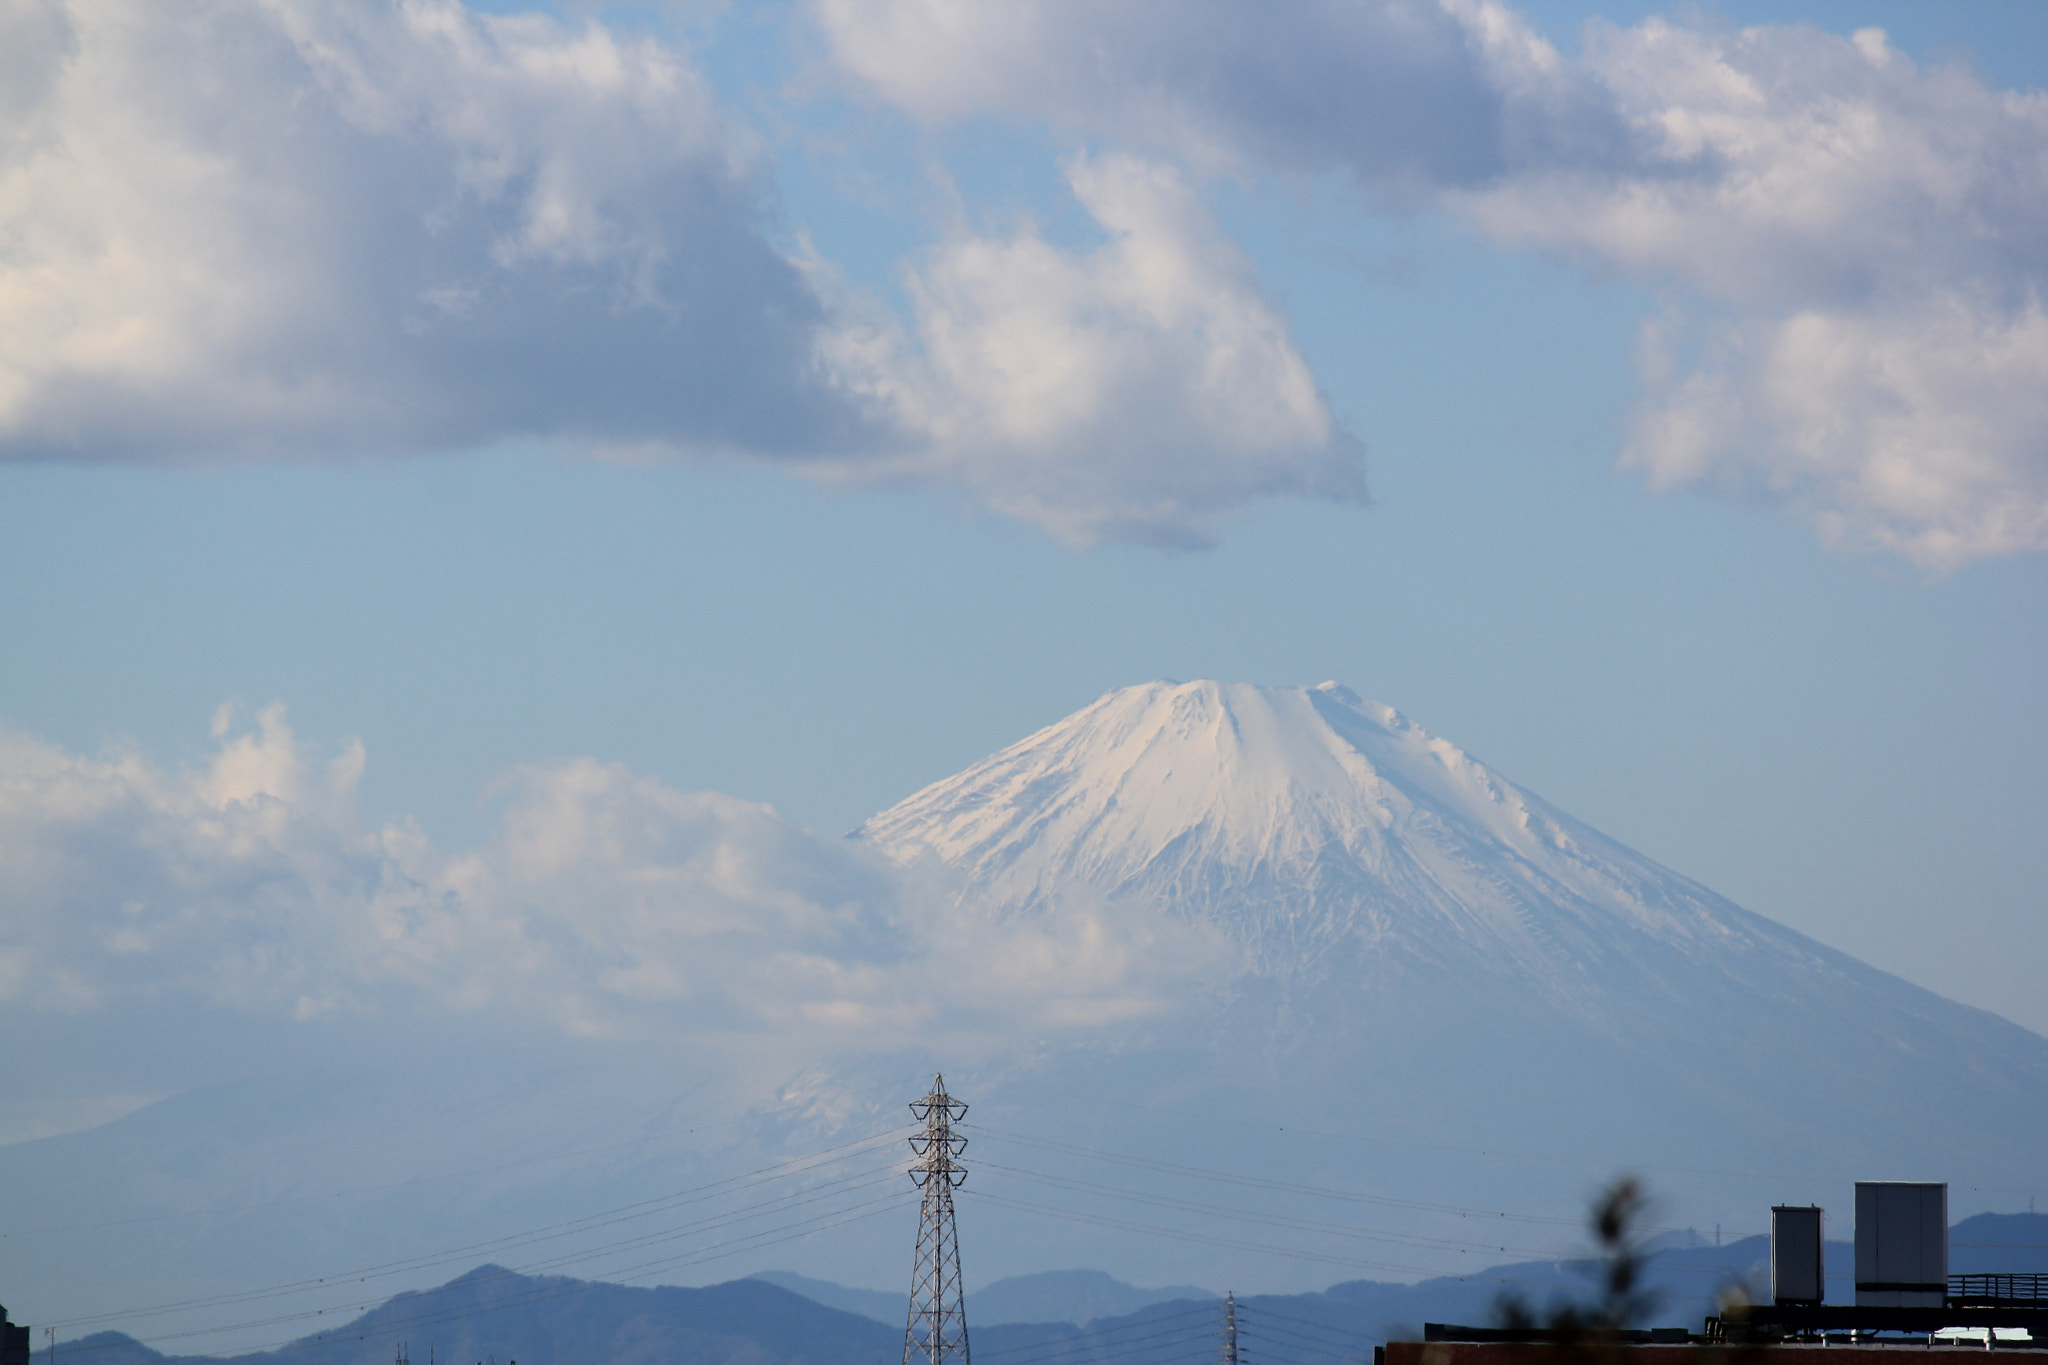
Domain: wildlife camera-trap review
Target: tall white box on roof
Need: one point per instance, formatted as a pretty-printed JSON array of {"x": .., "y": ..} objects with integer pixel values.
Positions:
[{"x": 1901, "y": 1244}]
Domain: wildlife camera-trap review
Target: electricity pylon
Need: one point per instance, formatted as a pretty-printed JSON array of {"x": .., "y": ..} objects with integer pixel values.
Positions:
[
  {"x": 937, "y": 1331},
  {"x": 1228, "y": 1355}
]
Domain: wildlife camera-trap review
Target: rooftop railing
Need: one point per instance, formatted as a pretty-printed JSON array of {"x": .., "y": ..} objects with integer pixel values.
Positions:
[{"x": 1997, "y": 1291}]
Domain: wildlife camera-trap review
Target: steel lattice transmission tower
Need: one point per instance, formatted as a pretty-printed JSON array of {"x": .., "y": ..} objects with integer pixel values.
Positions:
[{"x": 937, "y": 1332}]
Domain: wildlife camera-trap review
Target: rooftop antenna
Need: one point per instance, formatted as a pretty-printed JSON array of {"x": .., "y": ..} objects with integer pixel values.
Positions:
[{"x": 937, "y": 1331}]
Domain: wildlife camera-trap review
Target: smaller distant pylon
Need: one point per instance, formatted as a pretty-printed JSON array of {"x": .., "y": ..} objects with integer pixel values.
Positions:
[{"x": 1228, "y": 1355}]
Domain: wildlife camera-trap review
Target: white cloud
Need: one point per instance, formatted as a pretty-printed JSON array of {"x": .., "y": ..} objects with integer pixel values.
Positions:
[
  {"x": 238, "y": 881},
  {"x": 1134, "y": 391},
  {"x": 28, "y": 1118},
  {"x": 1390, "y": 88},
  {"x": 1861, "y": 241},
  {"x": 607, "y": 902},
  {"x": 291, "y": 228},
  {"x": 263, "y": 227},
  {"x": 1920, "y": 429},
  {"x": 300, "y": 228},
  {"x": 1854, "y": 238}
]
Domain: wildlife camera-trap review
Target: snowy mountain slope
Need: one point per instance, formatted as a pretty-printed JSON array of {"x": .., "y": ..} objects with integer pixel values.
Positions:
[
  {"x": 1412, "y": 920},
  {"x": 1304, "y": 820},
  {"x": 1438, "y": 1011},
  {"x": 1324, "y": 832}
]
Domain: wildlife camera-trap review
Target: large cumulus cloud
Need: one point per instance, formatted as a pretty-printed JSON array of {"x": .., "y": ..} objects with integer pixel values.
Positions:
[
  {"x": 1136, "y": 390},
  {"x": 1850, "y": 243},
  {"x": 1861, "y": 256},
  {"x": 607, "y": 902},
  {"x": 251, "y": 229},
  {"x": 244, "y": 228}
]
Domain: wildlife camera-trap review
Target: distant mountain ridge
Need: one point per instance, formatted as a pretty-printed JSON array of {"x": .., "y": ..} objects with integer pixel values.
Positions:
[{"x": 495, "y": 1313}]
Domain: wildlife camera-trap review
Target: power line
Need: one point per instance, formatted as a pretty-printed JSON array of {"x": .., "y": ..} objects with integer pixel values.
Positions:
[
  {"x": 1464, "y": 1213},
  {"x": 940, "y": 1153},
  {"x": 68, "y": 1228},
  {"x": 1260, "y": 1312},
  {"x": 589, "y": 1222},
  {"x": 368, "y": 1305},
  {"x": 1259, "y": 1319},
  {"x": 1107, "y": 1333},
  {"x": 1211, "y": 1117},
  {"x": 1321, "y": 1191},
  {"x": 1081, "y": 1342},
  {"x": 805, "y": 1227},
  {"x": 937, "y": 1165},
  {"x": 1184, "y": 1235},
  {"x": 1321, "y": 1347},
  {"x": 859, "y": 1180},
  {"x": 751, "y": 1241},
  {"x": 1082, "y": 1356},
  {"x": 1270, "y": 1219}
]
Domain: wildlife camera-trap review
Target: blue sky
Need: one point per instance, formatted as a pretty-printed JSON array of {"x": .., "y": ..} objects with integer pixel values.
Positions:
[{"x": 442, "y": 489}]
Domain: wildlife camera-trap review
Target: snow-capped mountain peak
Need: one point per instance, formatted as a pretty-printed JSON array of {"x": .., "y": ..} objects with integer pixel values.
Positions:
[
  {"x": 1414, "y": 923},
  {"x": 1301, "y": 820}
]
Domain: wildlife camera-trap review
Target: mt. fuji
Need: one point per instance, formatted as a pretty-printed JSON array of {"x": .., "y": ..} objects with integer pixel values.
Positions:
[
  {"x": 1419, "y": 942},
  {"x": 1250, "y": 987},
  {"x": 1323, "y": 833}
]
